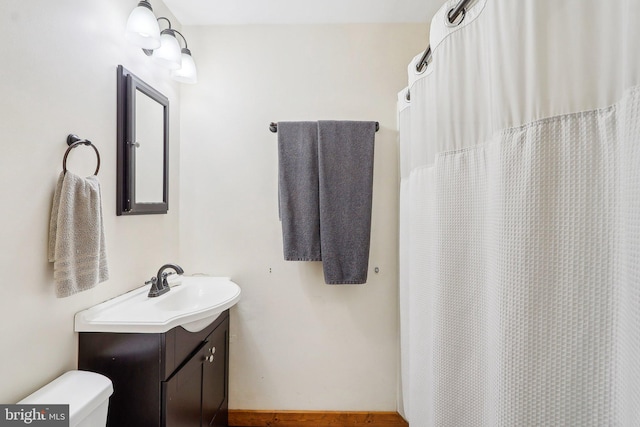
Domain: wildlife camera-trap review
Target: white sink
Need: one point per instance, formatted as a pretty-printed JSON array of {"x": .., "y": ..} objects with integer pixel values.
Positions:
[{"x": 194, "y": 304}]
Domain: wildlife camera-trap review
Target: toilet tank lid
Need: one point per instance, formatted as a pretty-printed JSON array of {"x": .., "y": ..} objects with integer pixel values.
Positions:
[{"x": 84, "y": 391}]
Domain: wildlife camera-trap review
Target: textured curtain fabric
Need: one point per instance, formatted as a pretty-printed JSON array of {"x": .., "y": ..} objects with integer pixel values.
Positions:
[{"x": 520, "y": 218}]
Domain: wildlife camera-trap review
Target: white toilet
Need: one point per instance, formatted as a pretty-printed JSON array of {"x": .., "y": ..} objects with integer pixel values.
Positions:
[{"x": 87, "y": 394}]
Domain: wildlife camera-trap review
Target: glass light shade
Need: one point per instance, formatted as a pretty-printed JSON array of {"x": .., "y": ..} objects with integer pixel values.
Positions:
[
  {"x": 187, "y": 73},
  {"x": 142, "y": 27},
  {"x": 169, "y": 53}
]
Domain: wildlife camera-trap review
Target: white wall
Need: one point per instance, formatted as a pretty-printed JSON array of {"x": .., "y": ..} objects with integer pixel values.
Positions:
[
  {"x": 58, "y": 74},
  {"x": 296, "y": 343}
]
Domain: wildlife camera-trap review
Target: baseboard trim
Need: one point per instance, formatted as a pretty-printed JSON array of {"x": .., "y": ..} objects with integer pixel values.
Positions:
[{"x": 245, "y": 418}]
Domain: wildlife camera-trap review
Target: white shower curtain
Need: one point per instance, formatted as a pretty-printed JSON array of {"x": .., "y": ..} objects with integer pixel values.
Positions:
[{"x": 520, "y": 217}]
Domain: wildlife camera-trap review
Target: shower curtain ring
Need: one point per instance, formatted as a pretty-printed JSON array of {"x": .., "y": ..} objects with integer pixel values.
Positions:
[{"x": 451, "y": 20}]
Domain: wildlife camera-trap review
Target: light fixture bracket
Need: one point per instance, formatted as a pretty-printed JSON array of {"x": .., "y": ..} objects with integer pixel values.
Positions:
[{"x": 145, "y": 3}]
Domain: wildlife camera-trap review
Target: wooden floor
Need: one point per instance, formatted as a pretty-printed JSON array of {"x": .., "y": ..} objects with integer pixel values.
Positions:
[{"x": 244, "y": 418}]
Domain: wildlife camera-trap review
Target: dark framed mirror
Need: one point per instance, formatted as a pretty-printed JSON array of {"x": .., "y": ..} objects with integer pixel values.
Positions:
[{"x": 143, "y": 147}]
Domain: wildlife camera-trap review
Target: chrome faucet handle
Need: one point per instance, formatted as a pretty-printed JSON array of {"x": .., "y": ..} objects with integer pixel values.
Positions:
[{"x": 156, "y": 289}]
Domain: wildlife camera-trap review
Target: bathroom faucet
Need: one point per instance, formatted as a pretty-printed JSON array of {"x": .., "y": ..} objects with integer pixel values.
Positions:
[{"x": 159, "y": 283}]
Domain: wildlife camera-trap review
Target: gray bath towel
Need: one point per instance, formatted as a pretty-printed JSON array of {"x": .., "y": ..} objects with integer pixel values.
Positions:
[
  {"x": 76, "y": 235},
  {"x": 298, "y": 190},
  {"x": 345, "y": 161}
]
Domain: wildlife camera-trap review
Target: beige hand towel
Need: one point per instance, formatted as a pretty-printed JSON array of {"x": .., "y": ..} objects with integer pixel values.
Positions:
[{"x": 76, "y": 235}]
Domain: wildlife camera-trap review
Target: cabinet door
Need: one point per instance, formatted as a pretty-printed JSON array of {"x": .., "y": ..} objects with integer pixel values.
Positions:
[
  {"x": 214, "y": 377},
  {"x": 182, "y": 393}
]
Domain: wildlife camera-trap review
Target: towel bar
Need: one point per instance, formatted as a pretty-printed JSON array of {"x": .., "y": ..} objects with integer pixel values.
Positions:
[
  {"x": 74, "y": 141},
  {"x": 273, "y": 127}
]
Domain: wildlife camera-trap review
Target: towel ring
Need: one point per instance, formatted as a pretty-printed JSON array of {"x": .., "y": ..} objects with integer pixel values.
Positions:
[{"x": 74, "y": 142}]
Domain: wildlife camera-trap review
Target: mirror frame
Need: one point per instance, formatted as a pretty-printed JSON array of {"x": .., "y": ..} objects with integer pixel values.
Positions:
[{"x": 126, "y": 203}]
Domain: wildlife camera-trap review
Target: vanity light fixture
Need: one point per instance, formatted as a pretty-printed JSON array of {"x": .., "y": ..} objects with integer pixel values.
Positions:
[
  {"x": 163, "y": 46},
  {"x": 142, "y": 27}
]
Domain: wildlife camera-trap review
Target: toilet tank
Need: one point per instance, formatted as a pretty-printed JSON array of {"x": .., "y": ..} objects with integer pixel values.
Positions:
[{"x": 86, "y": 393}]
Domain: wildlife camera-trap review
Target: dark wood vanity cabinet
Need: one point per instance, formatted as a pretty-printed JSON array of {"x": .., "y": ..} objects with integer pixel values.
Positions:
[{"x": 172, "y": 379}]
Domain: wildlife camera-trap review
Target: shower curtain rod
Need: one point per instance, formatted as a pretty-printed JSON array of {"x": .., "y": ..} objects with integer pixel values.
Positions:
[
  {"x": 454, "y": 12},
  {"x": 273, "y": 127}
]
